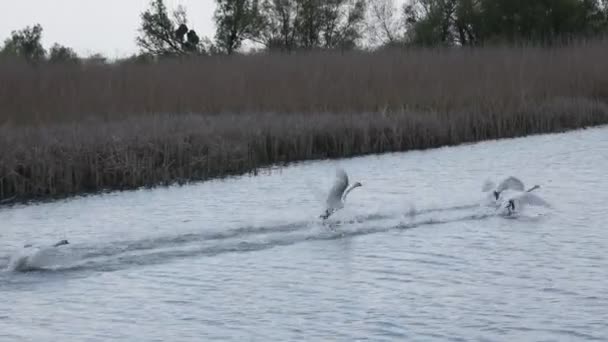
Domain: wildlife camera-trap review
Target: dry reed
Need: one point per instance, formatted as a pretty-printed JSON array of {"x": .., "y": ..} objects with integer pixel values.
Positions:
[{"x": 64, "y": 129}]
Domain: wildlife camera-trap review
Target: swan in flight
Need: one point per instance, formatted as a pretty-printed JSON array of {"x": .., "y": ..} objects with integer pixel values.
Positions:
[
  {"x": 509, "y": 183},
  {"x": 337, "y": 194},
  {"x": 516, "y": 202},
  {"x": 32, "y": 257},
  {"x": 59, "y": 243}
]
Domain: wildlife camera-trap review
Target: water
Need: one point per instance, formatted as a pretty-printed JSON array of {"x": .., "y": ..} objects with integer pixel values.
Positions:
[{"x": 247, "y": 258}]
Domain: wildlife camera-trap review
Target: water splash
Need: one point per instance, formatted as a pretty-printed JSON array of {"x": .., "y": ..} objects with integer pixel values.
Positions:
[{"x": 116, "y": 255}]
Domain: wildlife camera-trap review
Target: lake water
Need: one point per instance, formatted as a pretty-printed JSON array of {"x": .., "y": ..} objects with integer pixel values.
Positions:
[{"x": 411, "y": 257}]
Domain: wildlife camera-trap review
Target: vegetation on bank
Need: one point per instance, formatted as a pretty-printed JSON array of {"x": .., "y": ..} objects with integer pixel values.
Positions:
[
  {"x": 326, "y": 79},
  {"x": 69, "y": 128}
]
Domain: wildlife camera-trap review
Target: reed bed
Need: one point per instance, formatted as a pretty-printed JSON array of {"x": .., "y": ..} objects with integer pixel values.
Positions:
[
  {"x": 64, "y": 159},
  {"x": 67, "y": 130}
]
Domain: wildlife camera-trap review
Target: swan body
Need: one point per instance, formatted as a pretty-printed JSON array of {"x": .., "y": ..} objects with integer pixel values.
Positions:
[
  {"x": 61, "y": 243},
  {"x": 509, "y": 183},
  {"x": 57, "y": 244},
  {"x": 517, "y": 201},
  {"x": 337, "y": 194},
  {"x": 31, "y": 257}
]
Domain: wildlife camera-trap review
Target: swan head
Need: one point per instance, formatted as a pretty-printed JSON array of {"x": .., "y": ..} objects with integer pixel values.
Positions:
[{"x": 357, "y": 184}]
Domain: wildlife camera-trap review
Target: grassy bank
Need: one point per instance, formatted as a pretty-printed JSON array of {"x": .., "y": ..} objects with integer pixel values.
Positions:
[{"x": 73, "y": 129}]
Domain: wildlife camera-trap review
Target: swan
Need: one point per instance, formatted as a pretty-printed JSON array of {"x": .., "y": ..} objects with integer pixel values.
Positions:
[
  {"x": 516, "y": 202},
  {"x": 57, "y": 244},
  {"x": 61, "y": 243},
  {"x": 337, "y": 194},
  {"x": 32, "y": 257},
  {"x": 509, "y": 183}
]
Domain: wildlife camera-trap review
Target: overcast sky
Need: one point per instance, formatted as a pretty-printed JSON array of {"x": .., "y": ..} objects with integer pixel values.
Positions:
[
  {"x": 95, "y": 26},
  {"x": 108, "y": 27}
]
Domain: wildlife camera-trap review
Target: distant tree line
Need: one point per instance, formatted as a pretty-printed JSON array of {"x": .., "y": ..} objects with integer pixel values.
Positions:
[
  {"x": 347, "y": 24},
  {"x": 294, "y": 25},
  {"x": 475, "y": 22},
  {"x": 26, "y": 44}
]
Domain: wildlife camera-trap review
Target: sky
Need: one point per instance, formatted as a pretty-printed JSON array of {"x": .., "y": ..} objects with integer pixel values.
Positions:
[
  {"x": 108, "y": 27},
  {"x": 95, "y": 26}
]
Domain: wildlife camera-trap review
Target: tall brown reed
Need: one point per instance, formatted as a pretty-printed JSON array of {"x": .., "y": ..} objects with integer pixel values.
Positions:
[{"x": 73, "y": 129}]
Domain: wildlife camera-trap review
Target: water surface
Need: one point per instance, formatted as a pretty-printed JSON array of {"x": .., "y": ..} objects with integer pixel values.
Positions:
[{"x": 410, "y": 258}]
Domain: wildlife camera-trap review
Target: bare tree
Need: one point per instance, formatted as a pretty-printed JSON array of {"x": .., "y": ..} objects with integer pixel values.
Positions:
[
  {"x": 431, "y": 22},
  {"x": 237, "y": 21},
  {"x": 280, "y": 22},
  {"x": 342, "y": 23},
  {"x": 309, "y": 24},
  {"x": 160, "y": 35},
  {"x": 385, "y": 26}
]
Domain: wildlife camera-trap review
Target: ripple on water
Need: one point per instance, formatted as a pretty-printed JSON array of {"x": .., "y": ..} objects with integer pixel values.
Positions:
[{"x": 247, "y": 258}]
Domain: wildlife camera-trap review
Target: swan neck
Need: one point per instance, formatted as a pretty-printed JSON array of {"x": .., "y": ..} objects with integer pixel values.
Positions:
[
  {"x": 348, "y": 190},
  {"x": 533, "y": 188}
]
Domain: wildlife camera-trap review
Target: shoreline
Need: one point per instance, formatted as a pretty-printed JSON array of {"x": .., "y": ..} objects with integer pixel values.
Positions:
[
  {"x": 256, "y": 154},
  {"x": 74, "y": 129}
]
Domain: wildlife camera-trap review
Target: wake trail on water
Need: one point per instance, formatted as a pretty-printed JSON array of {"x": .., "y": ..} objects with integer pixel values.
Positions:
[
  {"x": 37, "y": 258},
  {"x": 117, "y": 255}
]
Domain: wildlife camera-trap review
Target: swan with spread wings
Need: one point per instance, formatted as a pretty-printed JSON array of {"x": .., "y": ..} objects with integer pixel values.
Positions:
[{"x": 337, "y": 194}]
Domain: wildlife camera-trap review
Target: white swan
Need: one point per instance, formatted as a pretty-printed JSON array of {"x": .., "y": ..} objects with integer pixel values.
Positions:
[
  {"x": 509, "y": 183},
  {"x": 337, "y": 194},
  {"x": 57, "y": 244},
  {"x": 32, "y": 257},
  {"x": 516, "y": 201}
]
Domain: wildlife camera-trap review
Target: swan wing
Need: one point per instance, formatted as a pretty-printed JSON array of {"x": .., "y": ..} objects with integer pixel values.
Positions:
[
  {"x": 334, "y": 199},
  {"x": 532, "y": 199},
  {"x": 510, "y": 183},
  {"x": 487, "y": 186}
]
